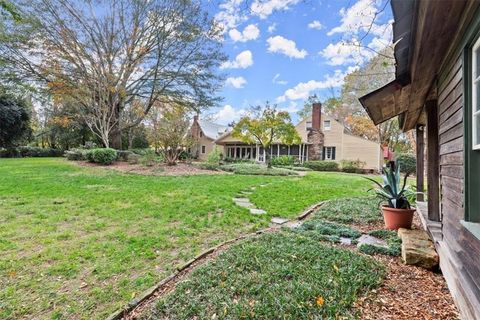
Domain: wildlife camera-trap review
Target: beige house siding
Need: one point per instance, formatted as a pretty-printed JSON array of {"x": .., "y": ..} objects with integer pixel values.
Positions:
[
  {"x": 356, "y": 148},
  {"x": 209, "y": 145},
  {"x": 347, "y": 147}
]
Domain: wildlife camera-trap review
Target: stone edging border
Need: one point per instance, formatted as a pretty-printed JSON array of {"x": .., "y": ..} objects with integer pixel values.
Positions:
[{"x": 132, "y": 304}]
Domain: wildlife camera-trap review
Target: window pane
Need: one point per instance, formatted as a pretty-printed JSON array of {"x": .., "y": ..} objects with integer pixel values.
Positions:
[
  {"x": 477, "y": 57},
  {"x": 476, "y": 107},
  {"x": 476, "y": 133}
]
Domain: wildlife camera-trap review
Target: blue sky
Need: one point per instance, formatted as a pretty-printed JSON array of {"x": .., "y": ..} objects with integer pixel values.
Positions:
[{"x": 284, "y": 50}]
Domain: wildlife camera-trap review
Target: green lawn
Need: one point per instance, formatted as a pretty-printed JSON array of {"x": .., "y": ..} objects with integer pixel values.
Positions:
[{"x": 80, "y": 242}]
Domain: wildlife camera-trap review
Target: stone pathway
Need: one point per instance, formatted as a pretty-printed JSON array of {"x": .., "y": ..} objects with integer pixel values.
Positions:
[{"x": 244, "y": 202}]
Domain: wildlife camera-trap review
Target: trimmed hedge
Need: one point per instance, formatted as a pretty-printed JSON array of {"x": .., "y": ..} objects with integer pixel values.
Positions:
[
  {"x": 322, "y": 165},
  {"x": 123, "y": 155},
  {"x": 26, "y": 152},
  {"x": 76, "y": 154},
  {"x": 283, "y": 161},
  {"x": 353, "y": 166},
  {"x": 408, "y": 163},
  {"x": 104, "y": 156}
]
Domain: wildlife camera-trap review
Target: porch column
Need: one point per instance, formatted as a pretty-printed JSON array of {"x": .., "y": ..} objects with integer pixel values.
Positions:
[
  {"x": 420, "y": 159},
  {"x": 288, "y": 152},
  {"x": 278, "y": 150},
  {"x": 300, "y": 153},
  {"x": 433, "y": 166}
]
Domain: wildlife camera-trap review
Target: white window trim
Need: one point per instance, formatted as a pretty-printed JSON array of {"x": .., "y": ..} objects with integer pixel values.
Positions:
[
  {"x": 475, "y": 82},
  {"x": 331, "y": 153},
  {"x": 329, "y": 125},
  {"x": 308, "y": 127}
]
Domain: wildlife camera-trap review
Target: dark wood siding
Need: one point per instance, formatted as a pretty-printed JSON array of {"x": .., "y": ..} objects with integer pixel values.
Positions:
[{"x": 462, "y": 245}]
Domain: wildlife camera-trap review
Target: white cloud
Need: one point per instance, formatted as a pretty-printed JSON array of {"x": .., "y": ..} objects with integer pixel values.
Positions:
[
  {"x": 272, "y": 27},
  {"x": 243, "y": 60},
  {"x": 228, "y": 114},
  {"x": 276, "y": 80},
  {"x": 315, "y": 25},
  {"x": 345, "y": 53},
  {"x": 238, "y": 82},
  {"x": 360, "y": 18},
  {"x": 303, "y": 89},
  {"x": 230, "y": 14},
  {"x": 264, "y": 8},
  {"x": 251, "y": 32},
  {"x": 287, "y": 47}
]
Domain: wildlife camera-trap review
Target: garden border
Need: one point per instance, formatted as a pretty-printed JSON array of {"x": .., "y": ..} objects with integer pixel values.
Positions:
[{"x": 183, "y": 269}]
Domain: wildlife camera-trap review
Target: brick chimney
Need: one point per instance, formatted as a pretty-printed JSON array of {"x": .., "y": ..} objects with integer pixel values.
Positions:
[
  {"x": 316, "y": 116},
  {"x": 315, "y": 136}
]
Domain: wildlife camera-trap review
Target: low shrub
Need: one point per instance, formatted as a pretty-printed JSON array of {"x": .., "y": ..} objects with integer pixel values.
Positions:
[
  {"x": 104, "y": 156},
  {"x": 295, "y": 168},
  {"x": 122, "y": 155},
  {"x": 408, "y": 163},
  {"x": 30, "y": 152},
  {"x": 283, "y": 161},
  {"x": 208, "y": 166},
  {"x": 149, "y": 159},
  {"x": 134, "y": 158},
  {"x": 256, "y": 169},
  {"x": 322, "y": 165},
  {"x": 237, "y": 160},
  {"x": 353, "y": 166},
  {"x": 76, "y": 154}
]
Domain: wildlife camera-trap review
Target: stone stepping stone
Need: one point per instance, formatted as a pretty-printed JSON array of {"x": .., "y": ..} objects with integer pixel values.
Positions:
[
  {"x": 368, "y": 239},
  {"x": 257, "y": 211},
  {"x": 293, "y": 224},
  {"x": 345, "y": 241},
  {"x": 246, "y": 192},
  {"x": 277, "y": 220},
  {"x": 243, "y": 202},
  {"x": 418, "y": 249}
]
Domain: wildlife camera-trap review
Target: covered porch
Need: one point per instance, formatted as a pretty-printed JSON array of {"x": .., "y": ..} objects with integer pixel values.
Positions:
[{"x": 239, "y": 151}]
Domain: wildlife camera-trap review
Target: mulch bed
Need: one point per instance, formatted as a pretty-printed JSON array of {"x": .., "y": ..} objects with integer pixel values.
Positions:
[
  {"x": 408, "y": 292},
  {"x": 181, "y": 169}
]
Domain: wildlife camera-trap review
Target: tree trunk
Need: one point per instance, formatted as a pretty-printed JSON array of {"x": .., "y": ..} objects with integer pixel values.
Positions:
[{"x": 268, "y": 158}]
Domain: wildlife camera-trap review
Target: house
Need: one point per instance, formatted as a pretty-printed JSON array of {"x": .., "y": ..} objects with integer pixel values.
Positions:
[
  {"x": 323, "y": 138},
  {"x": 436, "y": 93},
  {"x": 204, "y": 134}
]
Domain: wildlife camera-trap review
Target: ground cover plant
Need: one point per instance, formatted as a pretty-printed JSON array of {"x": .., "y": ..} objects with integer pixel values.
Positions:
[
  {"x": 283, "y": 275},
  {"x": 393, "y": 241},
  {"x": 357, "y": 210},
  {"x": 256, "y": 169},
  {"x": 79, "y": 242}
]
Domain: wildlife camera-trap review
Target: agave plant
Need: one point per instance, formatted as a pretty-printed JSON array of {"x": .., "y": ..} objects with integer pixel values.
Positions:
[{"x": 390, "y": 191}]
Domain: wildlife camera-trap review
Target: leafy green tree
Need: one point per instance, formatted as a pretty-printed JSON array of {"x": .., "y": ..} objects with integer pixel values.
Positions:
[
  {"x": 14, "y": 120},
  {"x": 106, "y": 55},
  {"x": 265, "y": 126}
]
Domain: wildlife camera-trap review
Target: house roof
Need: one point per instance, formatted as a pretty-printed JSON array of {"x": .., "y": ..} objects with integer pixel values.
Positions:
[
  {"x": 212, "y": 130},
  {"x": 421, "y": 48}
]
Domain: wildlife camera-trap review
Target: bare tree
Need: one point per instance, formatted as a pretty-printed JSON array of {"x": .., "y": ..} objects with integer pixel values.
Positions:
[{"x": 106, "y": 54}]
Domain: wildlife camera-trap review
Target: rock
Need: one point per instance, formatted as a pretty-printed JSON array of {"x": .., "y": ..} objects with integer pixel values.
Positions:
[
  {"x": 257, "y": 211},
  {"x": 368, "y": 239},
  {"x": 293, "y": 224},
  {"x": 345, "y": 241},
  {"x": 418, "y": 249},
  {"x": 247, "y": 205},
  {"x": 279, "y": 220}
]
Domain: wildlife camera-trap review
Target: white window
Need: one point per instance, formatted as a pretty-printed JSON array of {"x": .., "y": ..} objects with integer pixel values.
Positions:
[
  {"x": 476, "y": 96},
  {"x": 203, "y": 149},
  {"x": 308, "y": 125},
  {"x": 327, "y": 125},
  {"x": 329, "y": 153}
]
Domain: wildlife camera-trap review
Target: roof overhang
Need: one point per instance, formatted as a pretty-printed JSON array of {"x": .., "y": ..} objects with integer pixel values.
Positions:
[{"x": 421, "y": 47}]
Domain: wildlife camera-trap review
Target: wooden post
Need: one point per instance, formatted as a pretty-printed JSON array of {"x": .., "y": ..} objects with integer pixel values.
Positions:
[
  {"x": 420, "y": 160},
  {"x": 433, "y": 165}
]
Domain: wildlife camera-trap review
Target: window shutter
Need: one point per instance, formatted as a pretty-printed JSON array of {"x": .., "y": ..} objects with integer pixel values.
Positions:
[
  {"x": 323, "y": 153},
  {"x": 333, "y": 152}
]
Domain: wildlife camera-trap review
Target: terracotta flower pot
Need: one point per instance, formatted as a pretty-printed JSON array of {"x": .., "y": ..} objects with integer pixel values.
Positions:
[{"x": 397, "y": 218}]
